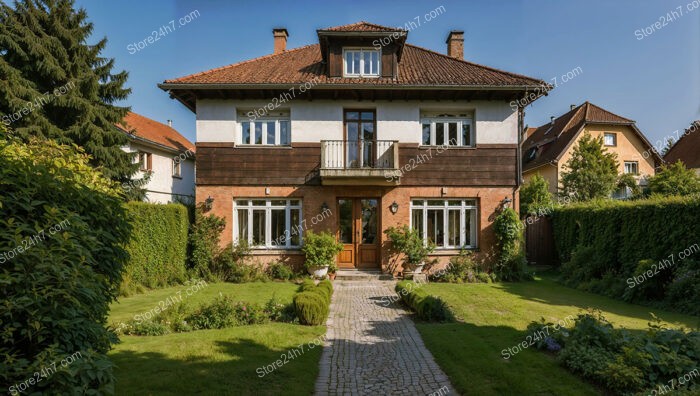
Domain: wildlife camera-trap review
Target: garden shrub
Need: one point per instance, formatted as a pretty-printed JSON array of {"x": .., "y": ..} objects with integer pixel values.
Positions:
[
  {"x": 623, "y": 361},
  {"x": 511, "y": 264},
  {"x": 203, "y": 243},
  {"x": 158, "y": 245},
  {"x": 280, "y": 271},
  {"x": 218, "y": 314},
  {"x": 312, "y": 303},
  {"x": 427, "y": 307},
  {"x": 230, "y": 265},
  {"x": 460, "y": 269},
  {"x": 605, "y": 244},
  {"x": 63, "y": 227}
]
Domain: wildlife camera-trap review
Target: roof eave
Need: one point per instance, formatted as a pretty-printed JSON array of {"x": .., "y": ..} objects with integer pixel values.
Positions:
[{"x": 170, "y": 86}]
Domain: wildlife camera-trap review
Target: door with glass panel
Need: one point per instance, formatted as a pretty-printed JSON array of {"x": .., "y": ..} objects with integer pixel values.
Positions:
[
  {"x": 360, "y": 138},
  {"x": 358, "y": 224}
]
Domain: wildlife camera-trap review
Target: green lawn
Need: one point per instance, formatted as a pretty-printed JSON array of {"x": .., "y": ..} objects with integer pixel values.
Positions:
[
  {"x": 494, "y": 317},
  {"x": 216, "y": 361}
]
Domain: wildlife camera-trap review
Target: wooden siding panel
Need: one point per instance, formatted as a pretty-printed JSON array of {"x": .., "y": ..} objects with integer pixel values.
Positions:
[
  {"x": 258, "y": 166},
  {"x": 458, "y": 167}
]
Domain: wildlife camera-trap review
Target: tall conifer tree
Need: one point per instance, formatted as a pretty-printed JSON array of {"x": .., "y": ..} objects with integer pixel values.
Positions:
[{"x": 55, "y": 85}]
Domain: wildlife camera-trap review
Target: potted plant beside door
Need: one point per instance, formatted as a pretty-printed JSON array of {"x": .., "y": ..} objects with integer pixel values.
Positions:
[
  {"x": 406, "y": 240},
  {"x": 320, "y": 250}
]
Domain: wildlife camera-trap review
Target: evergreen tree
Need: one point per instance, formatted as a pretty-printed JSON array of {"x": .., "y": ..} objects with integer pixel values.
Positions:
[
  {"x": 56, "y": 85},
  {"x": 674, "y": 179},
  {"x": 591, "y": 172},
  {"x": 535, "y": 196}
]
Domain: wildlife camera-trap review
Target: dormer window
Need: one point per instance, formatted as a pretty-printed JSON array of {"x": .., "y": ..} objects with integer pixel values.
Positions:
[{"x": 361, "y": 62}]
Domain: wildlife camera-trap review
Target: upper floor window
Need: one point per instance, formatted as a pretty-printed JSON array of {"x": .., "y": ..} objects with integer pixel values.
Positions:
[
  {"x": 448, "y": 131},
  {"x": 177, "y": 167},
  {"x": 610, "y": 139},
  {"x": 632, "y": 167},
  {"x": 362, "y": 62},
  {"x": 270, "y": 131},
  {"x": 144, "y": 160}
]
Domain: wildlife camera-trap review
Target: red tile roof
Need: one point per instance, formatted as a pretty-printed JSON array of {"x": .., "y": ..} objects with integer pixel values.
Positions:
[
  {"x": 552, "y": 140},
  {"x": 418, "y": 67},
  {"x": 361, "y": 26},
  {"x": 155, "y": 132},
  {"x": 687, "y": 148}
]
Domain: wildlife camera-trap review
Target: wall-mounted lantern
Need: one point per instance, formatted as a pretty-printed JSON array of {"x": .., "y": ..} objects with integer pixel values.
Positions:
[{"x": 394, "y": 207}]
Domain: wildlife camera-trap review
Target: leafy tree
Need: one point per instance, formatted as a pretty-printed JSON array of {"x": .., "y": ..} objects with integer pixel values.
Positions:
[
  {"x": 626, "y": 180},
  {"x": 534, "y": 195},
  {"x": 62, "y": 236},
  {"x": 591, "y": 172},
  {"x": 674, "y": 179},
  {"x": 57, "y": 86}
]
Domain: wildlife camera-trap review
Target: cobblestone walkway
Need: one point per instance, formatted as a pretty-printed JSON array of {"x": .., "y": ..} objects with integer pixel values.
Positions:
[{"x": 373, "y": 347}]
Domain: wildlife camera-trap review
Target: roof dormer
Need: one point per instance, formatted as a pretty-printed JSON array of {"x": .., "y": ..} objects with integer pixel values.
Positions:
[{"x": 362, "y": 50}]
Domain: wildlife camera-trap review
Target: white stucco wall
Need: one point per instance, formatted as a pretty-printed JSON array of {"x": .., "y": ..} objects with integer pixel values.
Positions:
[
  {"x": 163, "y": 187},
  {"x": 313, "y": 121}
]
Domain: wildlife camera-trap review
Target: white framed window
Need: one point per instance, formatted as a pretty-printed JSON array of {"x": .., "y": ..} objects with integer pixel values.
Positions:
[
  {"x": 447, "y": 131},
  {"x": 449, "y": 223},
  {"x": 267, "y": 131},
  {"x": 632, "y": 167},
  {"x": 268, "y": 222},
  {"x": 177, "y": 167},
  {"x": 362, "y": 62},
  {"x": 610, "y": 139}
]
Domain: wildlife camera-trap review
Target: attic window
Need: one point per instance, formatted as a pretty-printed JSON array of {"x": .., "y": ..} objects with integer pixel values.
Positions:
[
  {"x": 532, "y": 154},
  {"x": 361, "y": 62}
]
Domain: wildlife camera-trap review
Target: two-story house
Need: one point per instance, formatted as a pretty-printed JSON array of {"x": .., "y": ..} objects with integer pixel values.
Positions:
[
  {"x": 687, "y": 148},
  {"x": 166, "y": 159},
  {"x": 355, "y": 134},
  {"x": 548, "y": 148}
]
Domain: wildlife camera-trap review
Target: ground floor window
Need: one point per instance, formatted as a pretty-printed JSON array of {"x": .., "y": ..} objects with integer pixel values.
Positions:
[
  {"x": 450, "y": 224},
  {"x": 268, "y": 223}
]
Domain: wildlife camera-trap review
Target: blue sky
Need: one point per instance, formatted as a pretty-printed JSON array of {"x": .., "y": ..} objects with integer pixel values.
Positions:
[{"x": 655, "y": 80}]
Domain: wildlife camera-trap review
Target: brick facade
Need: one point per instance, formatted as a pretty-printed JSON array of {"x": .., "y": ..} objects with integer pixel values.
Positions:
[{"x": 313, "y": 197}]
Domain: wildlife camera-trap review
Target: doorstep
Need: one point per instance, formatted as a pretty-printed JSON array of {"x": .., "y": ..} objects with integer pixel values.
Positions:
[{"x": 361, "y": 275}]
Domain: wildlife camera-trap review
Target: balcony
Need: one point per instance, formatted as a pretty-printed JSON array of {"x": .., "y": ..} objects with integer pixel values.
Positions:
[{"x": 352, "y": 162}]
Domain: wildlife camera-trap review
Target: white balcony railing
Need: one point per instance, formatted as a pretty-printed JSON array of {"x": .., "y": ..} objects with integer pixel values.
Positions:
[{"x": 364, "y": 154}]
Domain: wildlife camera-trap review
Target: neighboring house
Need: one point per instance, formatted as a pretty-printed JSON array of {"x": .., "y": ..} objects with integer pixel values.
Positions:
[
  {"x": 548, "y": 148},
  {"x": 164, "y": 154},
  {"x": 687, "y": 148},
  {"x": 354, "y": 135}
]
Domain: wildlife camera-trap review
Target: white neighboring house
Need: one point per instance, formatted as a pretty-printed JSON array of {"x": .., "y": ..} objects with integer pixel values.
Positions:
[{"x": 165, "y": 154}]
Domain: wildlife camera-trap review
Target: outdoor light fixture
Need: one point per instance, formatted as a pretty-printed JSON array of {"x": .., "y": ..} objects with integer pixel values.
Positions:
[
  {"x": 505, "y": 202},
  {"x": 394, "y": 207},
  {"x": 208, "y": 202},
  {"x": 324, "y": 207}
]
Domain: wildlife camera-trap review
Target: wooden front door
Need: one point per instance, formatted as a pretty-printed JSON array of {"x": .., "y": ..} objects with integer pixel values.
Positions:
[{"x": 358, "y": 226}]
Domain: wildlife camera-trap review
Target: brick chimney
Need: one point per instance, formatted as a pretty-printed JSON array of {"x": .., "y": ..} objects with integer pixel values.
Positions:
[
  {"x": 455, "y": 44},
  {"x": 280, "y": 35}
]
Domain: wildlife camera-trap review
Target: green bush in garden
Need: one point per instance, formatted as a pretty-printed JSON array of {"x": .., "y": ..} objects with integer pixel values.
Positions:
[
  {"x": 204, "y": 238},
  {"x": 427, "y": 307},
  {"x": 609, "y": 247},
  {"x": 622, "y": 361},
  {"x": 511, "y": 264},
  {"x": 312, "y": 303},
  {"x": 280, "y": 271},
  {"x": 63, "y": 229},
  {"x": 158, "y": 245}
]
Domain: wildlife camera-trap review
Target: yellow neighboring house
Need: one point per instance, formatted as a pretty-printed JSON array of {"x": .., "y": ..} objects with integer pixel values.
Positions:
[{"x": 548, "y": 148}]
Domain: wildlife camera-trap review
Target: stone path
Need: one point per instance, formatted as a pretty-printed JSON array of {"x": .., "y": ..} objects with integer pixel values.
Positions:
[{"x": 373, "y": 347}]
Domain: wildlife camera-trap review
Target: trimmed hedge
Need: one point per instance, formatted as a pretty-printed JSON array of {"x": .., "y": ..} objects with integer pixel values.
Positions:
[
  {"x": 427, "y": 307},
  {"x": 604, "y": 245},
  {"x": 158, "y": 245},
  {"x": 312, "y": 303}
]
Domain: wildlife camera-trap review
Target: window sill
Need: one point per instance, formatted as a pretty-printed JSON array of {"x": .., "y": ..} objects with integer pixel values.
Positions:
[
  {"x": 428, "y": 146},
  {"x": 360, "y": 76},
  {"x": 177, "y": 177},
  {"x": 451, "y": 252},
  {"x": 260, "y": 146},
  {"x": 264, "y": 251}
]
